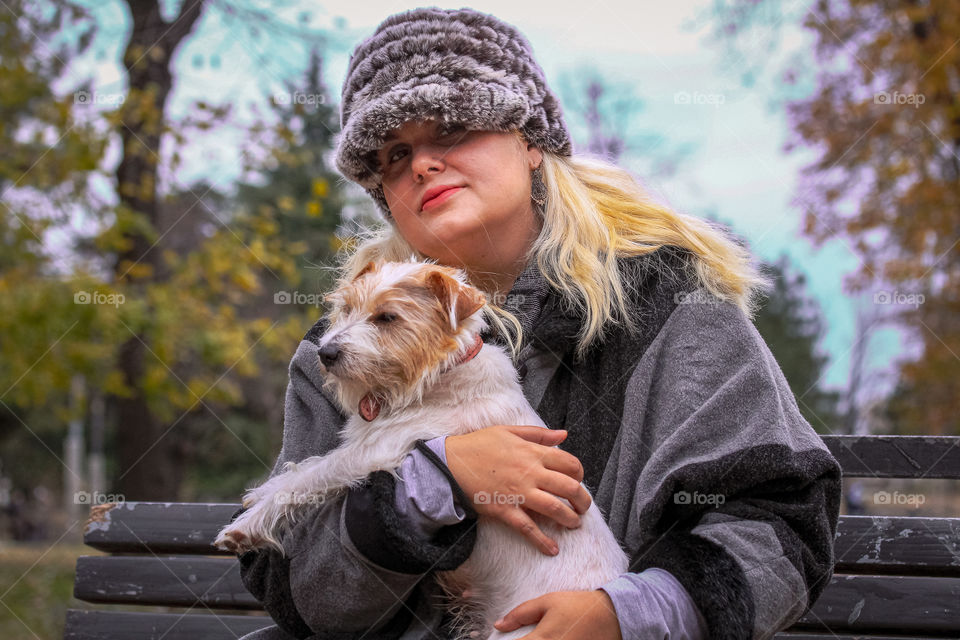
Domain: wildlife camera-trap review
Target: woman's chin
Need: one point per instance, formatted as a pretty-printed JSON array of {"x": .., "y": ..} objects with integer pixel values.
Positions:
[{"x": 452, "y": 228}]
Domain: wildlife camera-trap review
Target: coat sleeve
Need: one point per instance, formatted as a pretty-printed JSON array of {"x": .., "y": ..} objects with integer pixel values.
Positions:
[
  {"x": 351, "y": 566},
  {"x": 739, "y": 497}
]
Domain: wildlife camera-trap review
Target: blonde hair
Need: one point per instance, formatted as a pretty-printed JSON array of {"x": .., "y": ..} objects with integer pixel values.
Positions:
[{"x": 596, "y": 213}]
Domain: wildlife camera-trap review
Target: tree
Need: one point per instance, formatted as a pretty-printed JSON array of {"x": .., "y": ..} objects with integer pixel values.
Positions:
[
  {"x": 603, "y": 114},
  {"x": 297, "y": 186},
  {"x": 884, "y": 125},
  {"x": 49, "y": 153},
  {"x": 153, "y": 298},
  {"x": 301, "y": 197},
  {"x": 148, "y": 462}
]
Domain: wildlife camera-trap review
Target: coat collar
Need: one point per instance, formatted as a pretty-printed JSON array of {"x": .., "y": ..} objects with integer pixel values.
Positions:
[
  {"x": 539, "y": 309},
  {"x": 550, "y": 322}
]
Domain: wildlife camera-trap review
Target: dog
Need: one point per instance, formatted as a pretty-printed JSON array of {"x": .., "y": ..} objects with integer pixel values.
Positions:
[{"x": 404, "y": 359}]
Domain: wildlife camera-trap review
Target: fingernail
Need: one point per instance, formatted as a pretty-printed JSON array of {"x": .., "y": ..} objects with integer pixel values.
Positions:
[
  {"x": 500, "y": 621},
  {"x": 554, "y": 550}
]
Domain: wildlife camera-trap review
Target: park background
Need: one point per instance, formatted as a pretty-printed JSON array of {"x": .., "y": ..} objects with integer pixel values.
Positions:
[{"x": 169, "y": 212}]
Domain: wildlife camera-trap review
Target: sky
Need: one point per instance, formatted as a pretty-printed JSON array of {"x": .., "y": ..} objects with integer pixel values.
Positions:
[{"x": 736, "y": 169}]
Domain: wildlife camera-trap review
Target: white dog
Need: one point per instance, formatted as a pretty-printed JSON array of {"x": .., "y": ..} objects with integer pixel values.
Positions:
[{"x": 403, "y": 355}]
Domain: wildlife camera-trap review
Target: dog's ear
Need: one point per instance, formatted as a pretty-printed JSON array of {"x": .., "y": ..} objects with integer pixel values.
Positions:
[
  {"x": 461, "y": 301},
  {"x": 370, "y": 266}
]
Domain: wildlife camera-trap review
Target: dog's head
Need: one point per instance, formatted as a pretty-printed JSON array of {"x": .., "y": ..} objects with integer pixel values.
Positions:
[{"x": 395, "y": 327}]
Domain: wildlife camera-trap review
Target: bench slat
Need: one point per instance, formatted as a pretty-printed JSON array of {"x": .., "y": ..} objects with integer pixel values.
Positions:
[
  {"x": 886, "y": 604},
  {"x": 169, "y": 581},
  {"x": 118, "y": 625},
  {"x": 828, "y": 635},
  {"x": 160, "y": 527},
  {"x": 864, "y": 544},
  {"x": 877, "y": 604},
  {"x": 898, "y": 545},
  {"x": 896, "y": 456},
  {"x": 121, "y": 625}
]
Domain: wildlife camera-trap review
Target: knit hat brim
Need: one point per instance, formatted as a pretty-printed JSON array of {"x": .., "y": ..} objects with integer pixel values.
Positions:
[{"x": 471, "y": 104}]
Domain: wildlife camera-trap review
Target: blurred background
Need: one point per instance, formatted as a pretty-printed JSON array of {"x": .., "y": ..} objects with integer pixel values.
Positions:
[{"x": 169, "y": 213}]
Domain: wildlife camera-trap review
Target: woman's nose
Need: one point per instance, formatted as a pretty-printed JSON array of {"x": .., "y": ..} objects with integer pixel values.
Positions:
[{"x": 427, "y": 158}]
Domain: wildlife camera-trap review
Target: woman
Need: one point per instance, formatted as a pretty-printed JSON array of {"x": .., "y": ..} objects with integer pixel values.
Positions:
[{"x": 630, "y": 328}]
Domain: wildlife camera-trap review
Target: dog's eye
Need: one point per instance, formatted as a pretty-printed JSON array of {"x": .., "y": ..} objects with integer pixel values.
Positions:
[{"x": 385, "y": 317}]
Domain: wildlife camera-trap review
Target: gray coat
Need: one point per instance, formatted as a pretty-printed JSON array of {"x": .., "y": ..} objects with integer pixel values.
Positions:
[{"x": 690, "y": 439}]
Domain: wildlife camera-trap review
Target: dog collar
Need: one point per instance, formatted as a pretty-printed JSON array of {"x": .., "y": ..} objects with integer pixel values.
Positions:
[{"x": 369, "y": 407}]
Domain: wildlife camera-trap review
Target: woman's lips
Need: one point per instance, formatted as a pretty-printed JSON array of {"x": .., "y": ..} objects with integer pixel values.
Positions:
[{"x": 440, "y": 199}]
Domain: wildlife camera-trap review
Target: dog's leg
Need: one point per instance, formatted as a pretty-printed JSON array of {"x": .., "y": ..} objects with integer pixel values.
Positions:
[{"x": 311, "y": 482}]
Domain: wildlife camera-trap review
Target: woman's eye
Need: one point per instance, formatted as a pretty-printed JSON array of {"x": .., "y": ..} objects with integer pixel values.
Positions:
[
  {"x": 384, "y": 318},
  {"x": 392, "y": 155},
  {"x": 452, "y": 132},
  {"x": 451, "y": 129}
]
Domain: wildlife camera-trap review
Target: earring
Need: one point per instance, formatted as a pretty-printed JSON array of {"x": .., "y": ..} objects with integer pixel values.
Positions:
[{"x": 538, "y": 189}]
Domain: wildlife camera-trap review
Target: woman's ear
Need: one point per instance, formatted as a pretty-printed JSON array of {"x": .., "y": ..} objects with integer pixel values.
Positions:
[{"x": 534, "y": 156}]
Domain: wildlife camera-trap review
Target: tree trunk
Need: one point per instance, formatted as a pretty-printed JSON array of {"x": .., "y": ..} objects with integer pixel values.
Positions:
[{"x": 149, "y": 466}]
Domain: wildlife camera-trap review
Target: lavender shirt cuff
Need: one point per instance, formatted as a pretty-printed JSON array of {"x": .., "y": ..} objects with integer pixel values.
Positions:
[
  {"x": 653, "y": 604},
  {"x": 424, "y": 498}
]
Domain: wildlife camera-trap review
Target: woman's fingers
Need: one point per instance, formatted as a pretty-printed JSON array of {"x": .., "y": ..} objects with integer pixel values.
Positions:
[
  {"x": 538, "y": 435},
  {"x": 552, "y": 507},
  {"x": 529, "y": 612},
  {"x": 567, "y": 488},
  {"x": 521, "y": 521},
  {"x": 564, "y": 462},
  {"x": 516, "y": 471}
]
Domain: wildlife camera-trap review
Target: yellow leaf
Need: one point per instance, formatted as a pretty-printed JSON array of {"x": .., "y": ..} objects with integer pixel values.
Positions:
[
  {"x": 139, "y": 270},
  {"x": 320, "y": 187}
]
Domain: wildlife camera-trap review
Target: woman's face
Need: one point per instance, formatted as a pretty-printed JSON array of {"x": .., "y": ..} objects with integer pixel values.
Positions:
[{"x": 485, "y": 223}]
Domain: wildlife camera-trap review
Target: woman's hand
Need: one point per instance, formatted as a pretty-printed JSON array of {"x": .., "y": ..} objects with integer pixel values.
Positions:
[
  {"x": 509, "y": 471},
  {"x": 571, "y": 615}
]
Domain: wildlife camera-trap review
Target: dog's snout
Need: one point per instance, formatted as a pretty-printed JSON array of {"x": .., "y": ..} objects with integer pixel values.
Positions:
[{"x": 329, "y": 353}]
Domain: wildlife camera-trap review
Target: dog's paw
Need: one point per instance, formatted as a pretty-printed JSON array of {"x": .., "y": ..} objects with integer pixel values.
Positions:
[
  {"x": 247, "y": 532},
  {"x": 235, "y": 541}
]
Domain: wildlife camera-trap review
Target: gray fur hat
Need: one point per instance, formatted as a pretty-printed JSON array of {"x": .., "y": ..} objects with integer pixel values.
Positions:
[{"x": 453, "y": 65}]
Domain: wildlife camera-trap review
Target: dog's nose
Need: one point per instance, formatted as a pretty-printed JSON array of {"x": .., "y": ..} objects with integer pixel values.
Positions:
[{"x": 329, "y": 353}]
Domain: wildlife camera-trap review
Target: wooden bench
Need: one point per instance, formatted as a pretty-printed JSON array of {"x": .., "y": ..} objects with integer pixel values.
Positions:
[{"x": 895, "y": 577}]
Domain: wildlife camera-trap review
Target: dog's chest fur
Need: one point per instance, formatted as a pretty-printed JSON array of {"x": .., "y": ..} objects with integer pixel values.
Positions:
[{"x": 504, "y": 569}]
